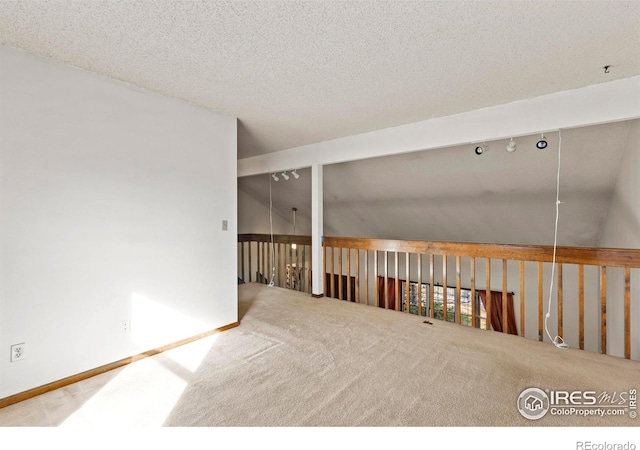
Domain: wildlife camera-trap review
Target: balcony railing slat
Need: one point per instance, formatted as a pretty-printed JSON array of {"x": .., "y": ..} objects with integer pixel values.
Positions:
[
  {"x": 357, "y": 299},
  {"x": 540, "y": 301},
  {"x": 522, "y": 321},
  {"x": 303, "y": 278},
  {"x": 340, "y": 273},
  {"x": 627, "y": 312},
  {"x": 431, "y": 284},
  {"x": 349, "y": 274},
  {"x": 386, "y": 280},
  {"x": 407, "y": 285},
  {"x": 472, "y": 270},
  {"x": 375, "y": 279},
  {"x": 488, "y": 302},
  {"x": 396, "y": 286},
  {"x": 444, "y": 288},
  {"x": 560, "y": 303},
  {"x": 324, "y": 270},
  {"x": 603, "y": 309},
  {"x": 333, "y": 281},
  {"x": 505, "y": 298},
  {"x": 458, "y": 287},
  {"x": 581, "y": 306},
  {"x": 250, "y": 269},
  {"x": 419, "y": 293},
  {"x": 366, "y": 277}
]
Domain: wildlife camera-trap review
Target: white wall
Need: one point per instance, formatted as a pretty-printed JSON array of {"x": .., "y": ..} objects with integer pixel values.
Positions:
[
  {"x": 253, "y": 217},
  {"x": 111, "y": 202},
  {"x": 622, "y": 229}
]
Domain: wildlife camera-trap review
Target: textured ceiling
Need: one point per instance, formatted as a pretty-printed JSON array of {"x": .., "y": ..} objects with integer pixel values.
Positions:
[
  {"x": 453, "y": 195},
  {"x": 301, "y": 72},
  {"x": 296, "y": 73}
]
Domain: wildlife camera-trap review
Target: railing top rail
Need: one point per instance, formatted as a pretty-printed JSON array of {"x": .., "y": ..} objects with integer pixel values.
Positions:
[
  {"x": 614, "y": 257},
  {"x": 277, "y": 238}
]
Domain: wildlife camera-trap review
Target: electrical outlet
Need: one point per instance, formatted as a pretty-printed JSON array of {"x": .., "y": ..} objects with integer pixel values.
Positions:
[
  {"x": 225, "y": 225},
  {"x": 125, "y": 326},
  {"x": 18, "y": 352}
]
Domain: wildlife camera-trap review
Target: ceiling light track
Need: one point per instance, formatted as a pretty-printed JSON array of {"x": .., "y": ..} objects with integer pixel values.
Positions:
[
  {"x": 285, "y": 175},
  {"x": 541, "y": 144}
]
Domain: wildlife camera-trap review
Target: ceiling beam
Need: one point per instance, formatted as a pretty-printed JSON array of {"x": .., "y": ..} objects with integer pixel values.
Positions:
[{"x": 592, "y": 105}]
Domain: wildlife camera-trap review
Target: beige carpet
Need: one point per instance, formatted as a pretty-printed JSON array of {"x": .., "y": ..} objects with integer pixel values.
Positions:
[{"x": 299, "y": 361}]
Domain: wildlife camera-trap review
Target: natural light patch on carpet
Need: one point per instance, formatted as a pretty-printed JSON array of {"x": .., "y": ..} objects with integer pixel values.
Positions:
[{"x": 143, "y": 393}]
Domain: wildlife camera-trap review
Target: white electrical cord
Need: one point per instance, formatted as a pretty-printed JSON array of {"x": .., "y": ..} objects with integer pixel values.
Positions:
[
  {"x": 557, "y": 341},
  {"x": 273, "y": 247}
]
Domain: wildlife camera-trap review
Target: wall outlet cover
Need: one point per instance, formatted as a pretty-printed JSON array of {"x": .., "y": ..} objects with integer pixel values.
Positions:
[{"x": 18, "y": 352}]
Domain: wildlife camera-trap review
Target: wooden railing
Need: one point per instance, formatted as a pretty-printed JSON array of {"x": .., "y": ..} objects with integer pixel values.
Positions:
[
  {"x": 592, "y": 286},
  {"x": 285, "y": 260},
  {"x": 365, "y": 261}
]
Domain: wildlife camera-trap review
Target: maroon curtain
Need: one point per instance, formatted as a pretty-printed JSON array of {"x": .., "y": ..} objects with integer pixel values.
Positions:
[
  {"x": 391, "y": 289},
  {"x": 496, "y": 311}
]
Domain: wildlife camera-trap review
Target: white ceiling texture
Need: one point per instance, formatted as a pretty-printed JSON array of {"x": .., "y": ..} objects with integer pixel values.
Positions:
[{"x": 296, "y": 73}]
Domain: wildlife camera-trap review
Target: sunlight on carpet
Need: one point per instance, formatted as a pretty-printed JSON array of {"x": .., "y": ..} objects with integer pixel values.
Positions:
[{"x": 143, "y": 393}]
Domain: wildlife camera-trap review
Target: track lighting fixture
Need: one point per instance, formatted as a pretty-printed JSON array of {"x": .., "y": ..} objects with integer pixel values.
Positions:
[
  {"x": 480, "y": 149},
  {"x": 275, "y": 177},
  {"x": 285, "y": 176},
  {"x": 542, "y": 143},
  {"x": 295, "y": 174},
  {"x": 511, "y": 147}
]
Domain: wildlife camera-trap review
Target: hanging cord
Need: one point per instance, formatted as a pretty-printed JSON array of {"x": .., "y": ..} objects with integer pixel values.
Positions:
[
  {"x": 273, "y": 247},
  {"x": 557, "y": 341}
]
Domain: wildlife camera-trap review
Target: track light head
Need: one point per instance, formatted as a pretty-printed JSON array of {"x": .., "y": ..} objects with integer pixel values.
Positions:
[
  {"x": 480, "y": 149},
  {"x": 542, "y": 143},
  {"x": 511, "y": 146},
  {"x": 285, "y": 176},
  {"x": 275, "y": 177},
  {"x": 295, "y": 174}
]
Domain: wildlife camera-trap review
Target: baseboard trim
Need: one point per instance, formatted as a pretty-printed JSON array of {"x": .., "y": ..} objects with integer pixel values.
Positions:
[
  {"x": 21, "y": 396},
  {"x": 317, "y": 295}
]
